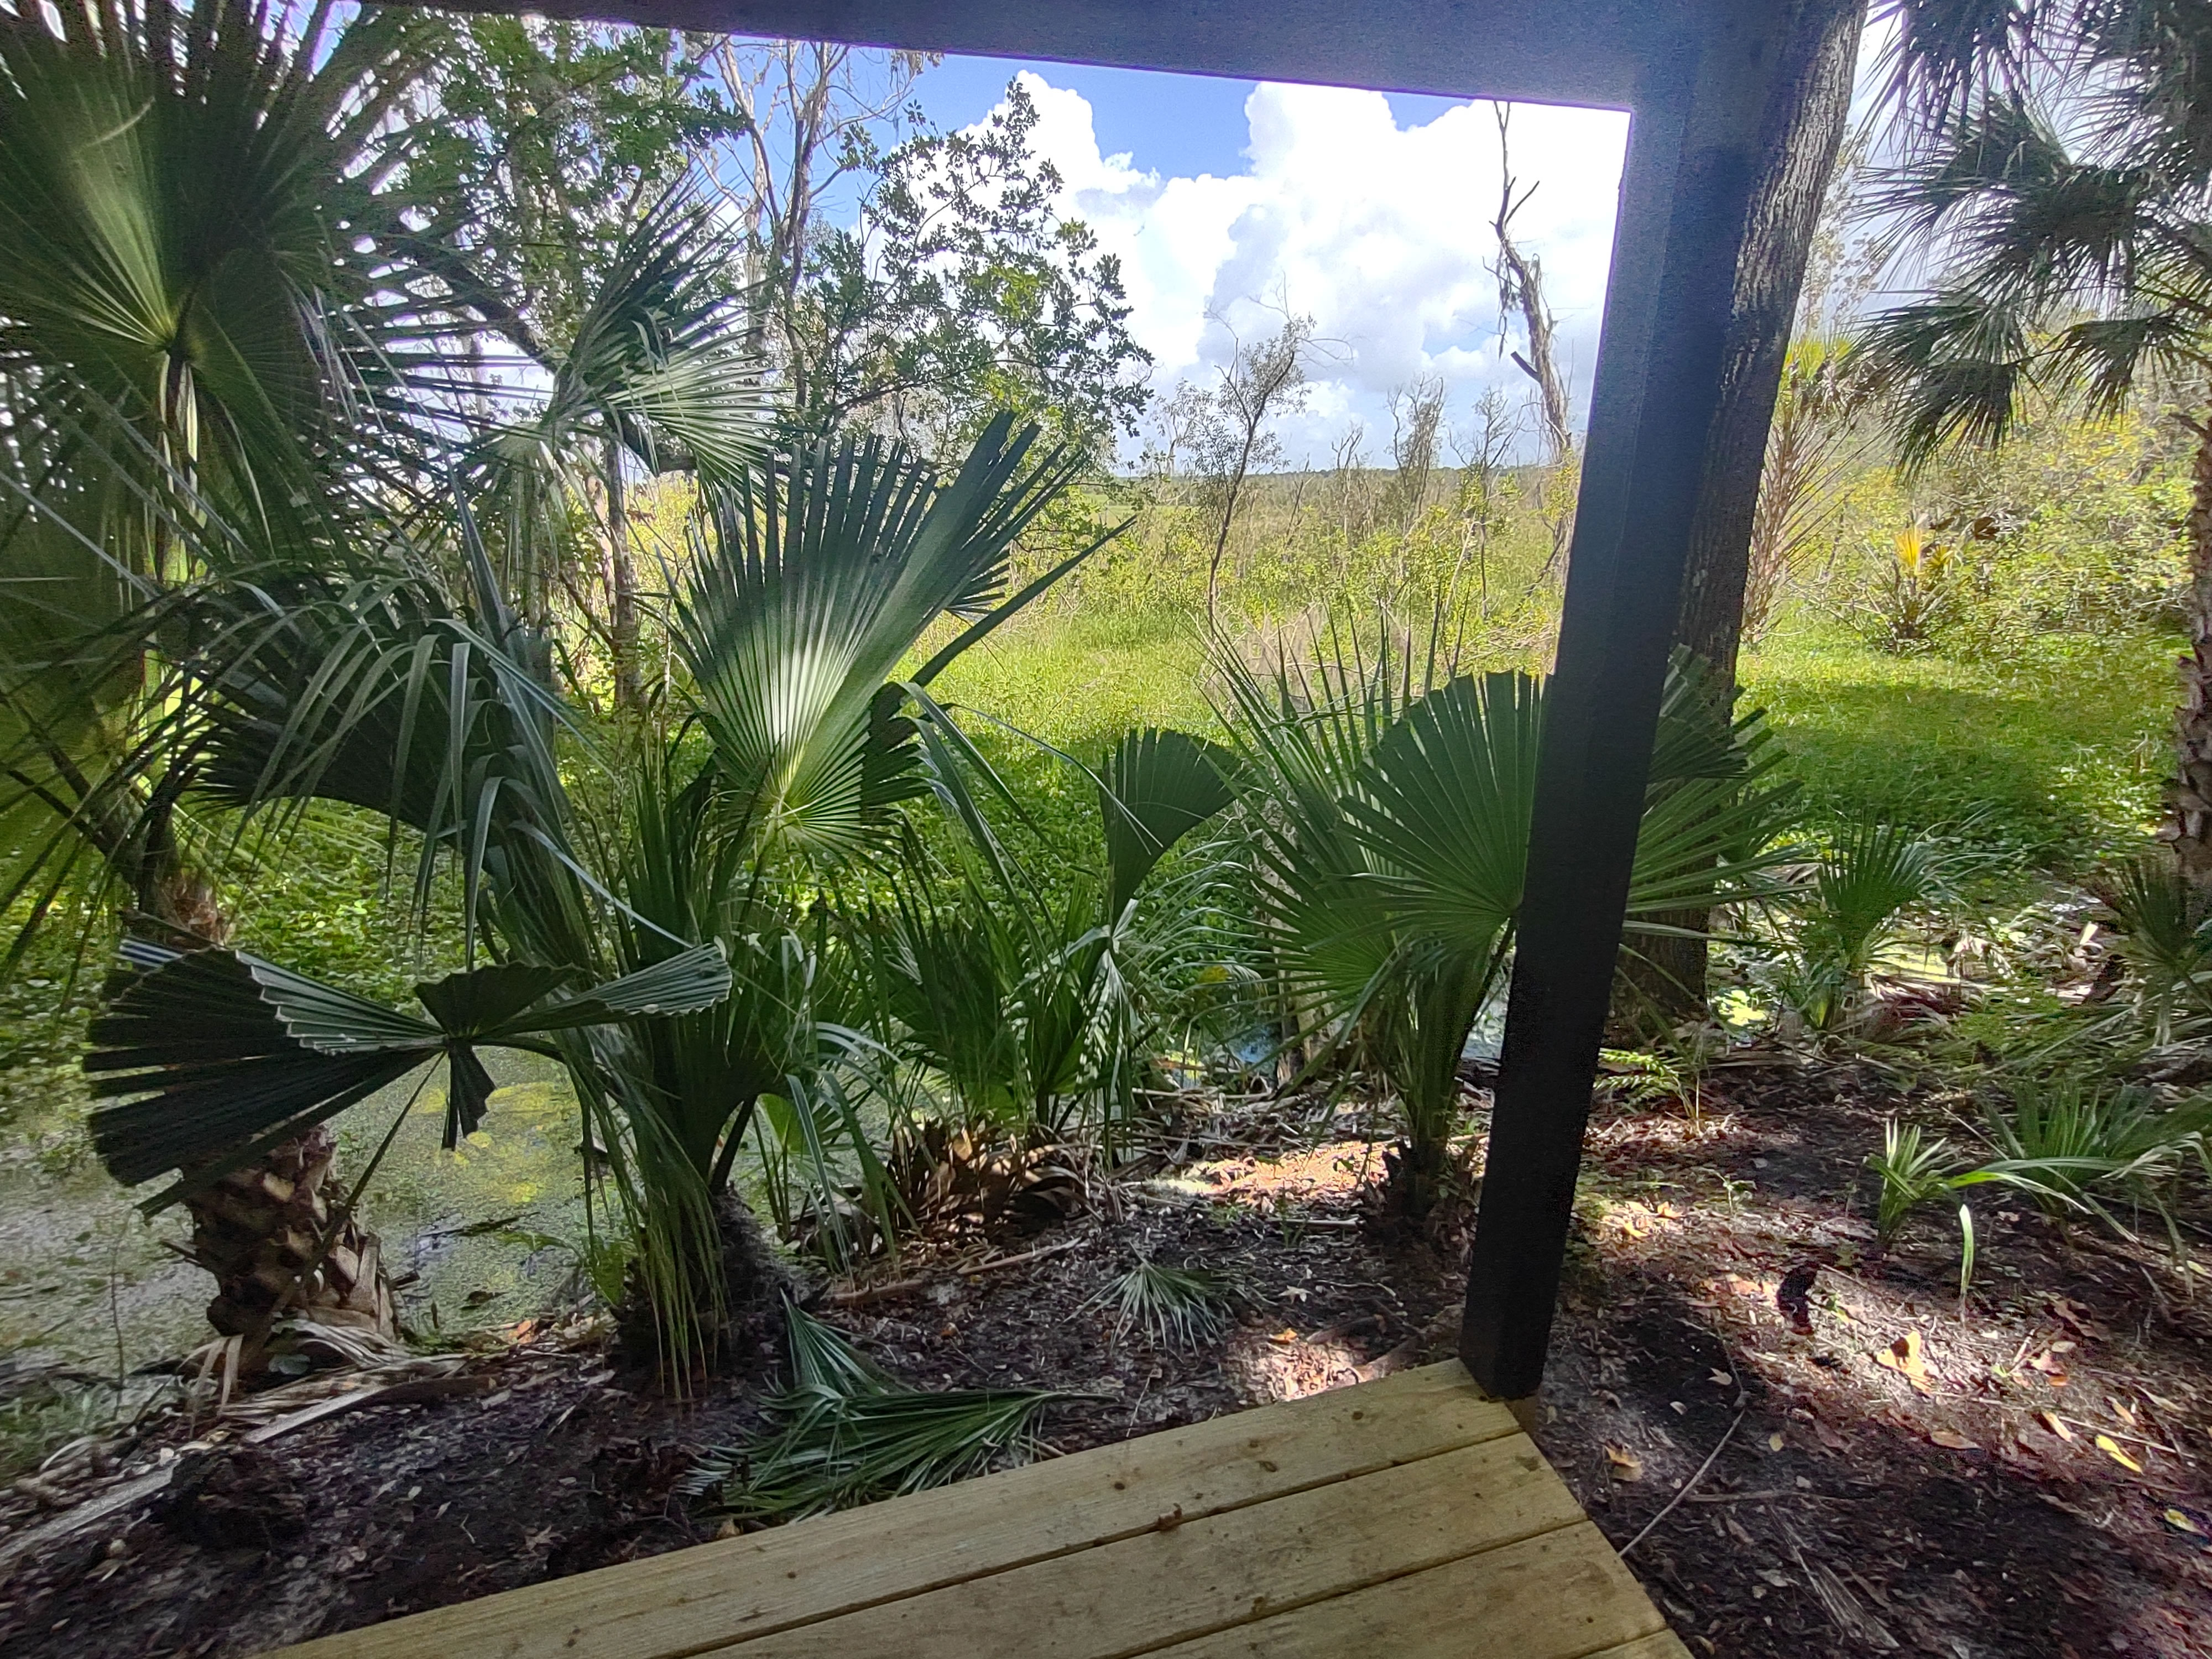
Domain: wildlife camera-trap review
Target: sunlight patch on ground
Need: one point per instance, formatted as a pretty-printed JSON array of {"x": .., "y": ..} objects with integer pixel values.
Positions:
[{"x": 1331, "y": 1174}]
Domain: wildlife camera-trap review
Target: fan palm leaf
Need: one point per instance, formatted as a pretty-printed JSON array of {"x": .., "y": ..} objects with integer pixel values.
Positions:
[
  {"x": 654, "y": 370},
  {"x": 196, "y": 215},
  {"x": 809, "y": 588},
  {"x": 223, "y": 1055},
  {"x": 1158, "y": 786},
  {"x": 1392, "y": 834}
]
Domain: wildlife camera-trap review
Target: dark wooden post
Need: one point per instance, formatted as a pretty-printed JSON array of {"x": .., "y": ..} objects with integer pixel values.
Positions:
[{"x": 1689, "y": 173}]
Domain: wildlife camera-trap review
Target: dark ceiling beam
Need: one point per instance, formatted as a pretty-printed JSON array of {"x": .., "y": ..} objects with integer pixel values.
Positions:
[{"x": 1568, "y": 52}]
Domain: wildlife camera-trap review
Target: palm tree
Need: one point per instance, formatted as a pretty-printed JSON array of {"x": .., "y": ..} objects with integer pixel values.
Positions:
[
  {"x": 198, "y": 316},
  {"x": 2063, "y": 175},
  {"x": 205, "y": 341},
  {"x": 1390, "y": 800},
  {"x": 654, "y": 374},
  {"x": 798, "y": 735},
  {"x": 200, "y": 225}
]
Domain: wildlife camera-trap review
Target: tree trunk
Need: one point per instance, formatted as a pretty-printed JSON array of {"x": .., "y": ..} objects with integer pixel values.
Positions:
[
  {"x": 1805, "y": 130},
  {"x": 2189, "y": 823},
  {"x": 264, "y": 1232},
  {"x": 1805, "y": 125},
  {"x": 622, "y": 583}
]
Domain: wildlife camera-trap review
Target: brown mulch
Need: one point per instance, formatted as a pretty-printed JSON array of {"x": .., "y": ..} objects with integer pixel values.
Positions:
[{"x": 1898, "y": 1471}]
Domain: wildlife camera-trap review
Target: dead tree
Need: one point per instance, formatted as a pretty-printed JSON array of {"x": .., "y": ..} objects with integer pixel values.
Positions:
[
  {"x": 1261, "y": 381},
  {"x": 1520, "y": 294}
]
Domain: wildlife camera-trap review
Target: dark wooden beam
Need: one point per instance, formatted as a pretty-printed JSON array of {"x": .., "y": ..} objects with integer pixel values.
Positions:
[
  {"x": 1691, "y": 162},
  {"x": 1566, "y": 52}
]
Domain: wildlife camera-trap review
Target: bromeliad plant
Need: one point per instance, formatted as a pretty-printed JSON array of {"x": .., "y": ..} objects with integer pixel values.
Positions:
[{"x": 1390, "y": 800}]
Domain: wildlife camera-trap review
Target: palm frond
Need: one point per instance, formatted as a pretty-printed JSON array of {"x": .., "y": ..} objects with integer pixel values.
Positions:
[
  {"x": 1174, "y": 1307},
  {"x": 810, "y": 587},
  {"x": 1159, "y": 787},
  {"x": 843, "y": 1435},
  {"x": 214, "y": 1055},
  {"x": 199, "y": 216}
]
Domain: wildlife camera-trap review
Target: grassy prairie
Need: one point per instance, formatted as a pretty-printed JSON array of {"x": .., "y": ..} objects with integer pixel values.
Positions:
[{"x": 2054, "y": 756}]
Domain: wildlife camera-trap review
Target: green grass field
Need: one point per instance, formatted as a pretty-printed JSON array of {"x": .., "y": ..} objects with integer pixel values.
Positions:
[{"x": 2054, "y": 758}]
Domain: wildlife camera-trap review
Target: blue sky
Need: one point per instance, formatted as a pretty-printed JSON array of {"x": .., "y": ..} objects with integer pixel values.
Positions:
[
  {"x": 1175, "y": 123},
  {"x": 1228, "y": 200}
]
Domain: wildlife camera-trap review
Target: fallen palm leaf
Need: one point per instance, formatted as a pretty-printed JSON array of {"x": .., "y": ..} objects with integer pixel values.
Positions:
[
  {"x": 843, "y": 1433},
  {"x": 1177, "y": 1307}
]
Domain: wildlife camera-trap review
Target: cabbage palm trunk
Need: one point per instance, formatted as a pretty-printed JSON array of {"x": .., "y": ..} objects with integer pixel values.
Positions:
[{"x": 279, "y": 1242}]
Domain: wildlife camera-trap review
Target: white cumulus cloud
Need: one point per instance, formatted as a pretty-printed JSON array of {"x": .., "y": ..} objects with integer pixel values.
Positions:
[{"x": 1381, "y": 234}]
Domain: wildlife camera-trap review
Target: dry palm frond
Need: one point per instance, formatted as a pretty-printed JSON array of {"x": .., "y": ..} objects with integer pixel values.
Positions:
[
  {"x": 843, "y": 1433},
  {"x": 1177, "y": 1307}
]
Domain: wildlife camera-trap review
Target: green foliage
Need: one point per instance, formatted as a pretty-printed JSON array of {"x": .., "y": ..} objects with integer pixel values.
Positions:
[
  {"x": 1483, "y": 541},
  {"x": 2050, "y": 757},
  {"x": 1915, "y": 597},
  {"x": 650, "y": 370},
  {"x": 1159, "y": 785},
  {"x": 220, "y": 1056},
  {"x": 2164, "y": 923},
  {"x": 2082, "y": 1145},
  {"x": 1035, "y": 1009},
  {"x": 842, "y": 1434},
  {"x": 1914, "y": 1169},
  {"x": 550, "y": 134},
  {"x": 1175, "y": 1307},
  {"x": 959, "y": 293},
  {"x": 40, "y": 1415},
  {"x": 1869, "y": 878},
  {"x": 220, "y": 287},
  {"x": 1391, "y": 829}
]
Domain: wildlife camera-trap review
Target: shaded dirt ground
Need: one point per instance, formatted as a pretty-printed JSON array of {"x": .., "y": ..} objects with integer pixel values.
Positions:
[{"x": 1897, "y": 1470}]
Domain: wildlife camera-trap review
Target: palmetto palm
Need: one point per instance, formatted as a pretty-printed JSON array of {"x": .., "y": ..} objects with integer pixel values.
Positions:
[
  {"x": 794, "y": 741},
  {"x": 1392, "y": 813},
  {"x": 206, "y": 342},
  {"x": 1038, "y": 1014},
  {"x": 198, "y": 233},
  {"x": 654, "y": 374},
  {"x": 2064, "y": 177}
]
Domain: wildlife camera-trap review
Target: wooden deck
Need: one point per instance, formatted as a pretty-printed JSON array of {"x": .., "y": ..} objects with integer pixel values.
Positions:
[{"x": 1409, "y": 1518}]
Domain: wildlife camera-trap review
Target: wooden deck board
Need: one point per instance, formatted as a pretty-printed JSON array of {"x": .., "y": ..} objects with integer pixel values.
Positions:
[{"x": 1412, "y": 1505}]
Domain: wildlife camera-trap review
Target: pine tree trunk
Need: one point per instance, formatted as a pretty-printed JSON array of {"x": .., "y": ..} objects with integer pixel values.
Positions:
[
  {"x": 1806, "y": 121},
  {"x": 2189, "y": 823},
  {"x": 622, "y": 581}
]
